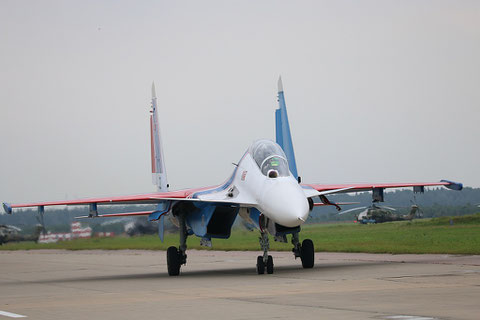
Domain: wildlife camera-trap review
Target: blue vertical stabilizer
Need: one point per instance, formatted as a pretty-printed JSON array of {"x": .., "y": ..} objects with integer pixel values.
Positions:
[{"x": 282, "y": 130}]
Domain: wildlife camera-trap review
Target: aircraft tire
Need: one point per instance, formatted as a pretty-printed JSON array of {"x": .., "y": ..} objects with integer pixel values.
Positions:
[
  {"x": 173, "y": 261},
  {"x": 307, "y": 254},
  {"x": 260, "y": 265},
  {"x": 270, "y": 265}
]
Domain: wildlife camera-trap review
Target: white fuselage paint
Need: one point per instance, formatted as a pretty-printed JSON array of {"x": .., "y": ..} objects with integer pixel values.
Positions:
[{"x": 280, "y": 199}]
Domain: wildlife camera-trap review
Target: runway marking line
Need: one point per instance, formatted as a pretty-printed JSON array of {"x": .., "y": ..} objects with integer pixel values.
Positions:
[
  {"x": 11, "y": 315},
  {"x": 409, "y": 318}
]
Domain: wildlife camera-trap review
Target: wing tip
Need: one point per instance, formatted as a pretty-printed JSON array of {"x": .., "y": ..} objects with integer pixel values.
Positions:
[
  {"x": 7, "y": 207},
  {"x": 453, "y": 185}
]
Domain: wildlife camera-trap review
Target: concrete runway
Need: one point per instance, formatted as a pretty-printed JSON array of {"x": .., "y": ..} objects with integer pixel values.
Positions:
[{"x": 55, "y": 284}]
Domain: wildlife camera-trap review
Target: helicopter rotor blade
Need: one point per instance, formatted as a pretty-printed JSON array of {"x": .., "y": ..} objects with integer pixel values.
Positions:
[
  {"x": 350, "y": 210},
  {"x": 389, "y": 208}
]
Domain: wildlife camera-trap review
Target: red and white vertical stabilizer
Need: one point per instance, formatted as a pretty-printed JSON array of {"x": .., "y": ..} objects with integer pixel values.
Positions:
[{"x": 159, "y": 174}]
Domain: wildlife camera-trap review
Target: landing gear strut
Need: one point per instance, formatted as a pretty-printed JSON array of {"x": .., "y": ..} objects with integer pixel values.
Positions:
[
  {"x": 177, "y": 257},
  {"x": 265, "y": 261},
  {"x": 304, "y": 251}
]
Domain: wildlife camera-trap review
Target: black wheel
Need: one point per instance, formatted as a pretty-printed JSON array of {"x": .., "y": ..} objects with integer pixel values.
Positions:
[
  {"x": 173, "y": 261},
  {"x": 270, "y": 265},
  {"x": 307, "y": 253},
  {"x": 260, "y": 265}
]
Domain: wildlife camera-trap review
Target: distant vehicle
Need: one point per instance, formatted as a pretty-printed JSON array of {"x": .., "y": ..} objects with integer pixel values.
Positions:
[
  {"x": 134, "y": 226},
  {"x": 12, "y": 234},
  {"x": 379, "y": 214},
  {"x": 139, "y": 227}
]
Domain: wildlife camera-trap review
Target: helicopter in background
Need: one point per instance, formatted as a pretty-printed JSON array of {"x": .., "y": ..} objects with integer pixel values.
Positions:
[
  {"x": 379, "y": 214},
  {"x": 10, "y": 233}
]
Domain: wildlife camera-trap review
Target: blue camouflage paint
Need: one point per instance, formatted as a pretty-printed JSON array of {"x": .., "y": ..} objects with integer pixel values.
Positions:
[
  {"x": 7, "y": 207},
  {"x": 162, "y": 208},
  {"x": 453, "y": 185},
  {"x": 159, "y": 214},
  {"x": 255, "y": 216},
  {"x": 198, "y": 220},
  {"x": 161, "y": 227},
  {"x": 283, "y": 135},
  {"x": 278, "y": 124}
]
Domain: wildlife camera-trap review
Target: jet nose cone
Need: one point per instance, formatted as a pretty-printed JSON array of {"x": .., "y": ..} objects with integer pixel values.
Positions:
[{"x": 286, "y": 204}]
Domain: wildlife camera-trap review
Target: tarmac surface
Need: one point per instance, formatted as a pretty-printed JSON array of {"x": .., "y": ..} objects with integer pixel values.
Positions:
[{"x": 56, "y": 284}]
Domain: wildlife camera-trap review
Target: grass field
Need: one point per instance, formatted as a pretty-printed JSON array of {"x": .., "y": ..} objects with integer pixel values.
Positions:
[{"x": 435, "y": 235}]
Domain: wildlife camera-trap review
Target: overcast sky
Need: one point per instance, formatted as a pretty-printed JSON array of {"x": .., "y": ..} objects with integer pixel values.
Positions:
[{"x": 376, "y": 91}]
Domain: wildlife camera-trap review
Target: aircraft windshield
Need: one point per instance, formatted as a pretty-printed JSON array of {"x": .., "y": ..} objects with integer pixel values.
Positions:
[{"x": 270, "y": 158}]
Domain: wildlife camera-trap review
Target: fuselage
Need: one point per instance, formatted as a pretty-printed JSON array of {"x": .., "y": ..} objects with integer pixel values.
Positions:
[{"x": 263, "y": 175}]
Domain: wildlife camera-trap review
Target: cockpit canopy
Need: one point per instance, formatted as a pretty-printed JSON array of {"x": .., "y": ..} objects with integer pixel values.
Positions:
[{"x": 270, "y": 158}]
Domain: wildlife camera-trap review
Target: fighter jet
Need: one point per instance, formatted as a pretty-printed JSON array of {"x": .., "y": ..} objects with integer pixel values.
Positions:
[{"x": 264, "y": 189}]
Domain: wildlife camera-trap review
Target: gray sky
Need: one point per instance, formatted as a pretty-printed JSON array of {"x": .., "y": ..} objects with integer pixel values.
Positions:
[{"x": 379, "y": 91}]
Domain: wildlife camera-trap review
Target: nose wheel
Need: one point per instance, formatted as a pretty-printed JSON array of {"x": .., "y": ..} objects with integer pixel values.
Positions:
[
  {"x": 264, "y": 262},
  {"x": 262, "y": 266},
  {"x": 270, "y": 265}
]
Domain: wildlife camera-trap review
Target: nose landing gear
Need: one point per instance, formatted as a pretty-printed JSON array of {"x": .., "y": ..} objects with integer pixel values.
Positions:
[
  {"x": 305, "y": 251},
  {"x": 265, "y": 261}
]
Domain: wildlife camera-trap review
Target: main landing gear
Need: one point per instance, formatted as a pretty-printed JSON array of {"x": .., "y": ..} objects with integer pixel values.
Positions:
[
  {"x": 304, "y": 251},
  {"x": 177, "y": 257}
]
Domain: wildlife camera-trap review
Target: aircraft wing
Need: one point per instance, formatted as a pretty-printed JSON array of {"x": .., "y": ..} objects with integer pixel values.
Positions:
[
  {"x": 358, "y": 187},
  {"x": 147, "y": 198}
]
